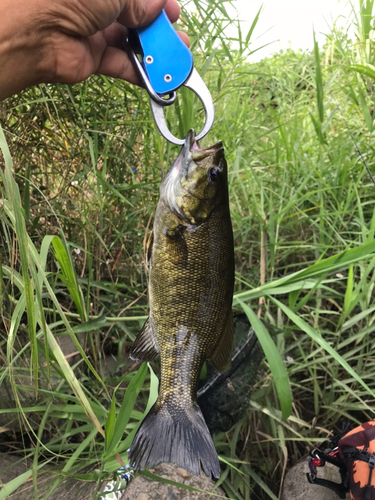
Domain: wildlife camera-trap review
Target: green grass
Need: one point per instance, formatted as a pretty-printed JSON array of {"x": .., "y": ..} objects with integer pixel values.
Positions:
[{"x": 79, "y": 184}]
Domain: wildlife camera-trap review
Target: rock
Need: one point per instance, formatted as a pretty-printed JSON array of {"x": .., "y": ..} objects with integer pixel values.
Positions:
[
  {"x": 67, "y": 346},
  {"x": 296, "y": 486},
  {"x": 12, "y": 466},
  {"x": 8, "y": 418},
  {"x": 183, "y": 473},
  {"x": 143, "y": 488}
]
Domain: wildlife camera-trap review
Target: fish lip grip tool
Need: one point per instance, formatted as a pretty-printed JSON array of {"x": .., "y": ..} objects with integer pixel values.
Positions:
[{"x": 167, "y": 64}]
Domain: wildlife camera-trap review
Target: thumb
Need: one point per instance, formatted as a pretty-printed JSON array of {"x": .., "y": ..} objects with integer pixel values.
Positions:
[{"x": 137, "y": 13}]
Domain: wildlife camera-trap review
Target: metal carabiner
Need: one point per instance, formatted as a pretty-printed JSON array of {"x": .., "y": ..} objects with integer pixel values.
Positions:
[{"x": 167, "y": 64}]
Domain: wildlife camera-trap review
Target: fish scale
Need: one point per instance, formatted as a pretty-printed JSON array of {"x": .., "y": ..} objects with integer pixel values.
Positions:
[{"x": 190, "y": 294}]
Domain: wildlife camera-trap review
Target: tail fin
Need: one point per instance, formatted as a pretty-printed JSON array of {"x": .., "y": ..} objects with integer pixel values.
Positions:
[{"x": 175, "y": 435}]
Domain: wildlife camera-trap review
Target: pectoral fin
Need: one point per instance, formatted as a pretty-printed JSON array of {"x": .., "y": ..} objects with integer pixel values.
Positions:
[
  {"x": 222, "y": 355},
  {"x": 145, "y": 347},
  {"x": 149, "y": 245}
]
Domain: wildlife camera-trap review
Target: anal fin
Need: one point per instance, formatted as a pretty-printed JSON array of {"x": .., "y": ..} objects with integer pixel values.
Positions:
[
  {"x": 221, "y": 357},
  {"x": 145, "y": 347}
]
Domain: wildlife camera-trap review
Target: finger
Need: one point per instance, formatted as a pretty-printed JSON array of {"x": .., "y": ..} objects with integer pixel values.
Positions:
[
  {"x": 137, "y": 13},
  {"x": 172, "y": 8},
  {"x": 115, "y": 35},
  {"x": 116, "y": 63},
  {"x": 184, "y": 38}
]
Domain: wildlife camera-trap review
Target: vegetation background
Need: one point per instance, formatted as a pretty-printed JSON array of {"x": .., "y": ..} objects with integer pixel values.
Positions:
[{"x": 81, "y": 169}]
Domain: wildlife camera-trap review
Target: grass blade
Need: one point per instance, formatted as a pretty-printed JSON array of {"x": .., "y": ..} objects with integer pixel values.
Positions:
[
  {"x": 20, "y": 230},
  {"x": 69, "y": 276},
  {"x": 314, "y": 335},
  {"x": 126, "y": 407},
  {"x": 279, "y": 373}
]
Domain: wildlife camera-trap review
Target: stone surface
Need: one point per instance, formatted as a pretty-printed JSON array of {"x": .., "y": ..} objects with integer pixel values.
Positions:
[
  {"x": 12, "y": 466},
  {"x": 11, "y": 421},
  {"x": 143, "y": 488},
  {"x": 69, "y": 349},
  {"x": 296, "y": 486}
]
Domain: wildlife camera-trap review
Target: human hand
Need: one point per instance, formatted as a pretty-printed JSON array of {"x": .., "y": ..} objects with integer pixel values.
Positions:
[{"x": 66, "y": 41}]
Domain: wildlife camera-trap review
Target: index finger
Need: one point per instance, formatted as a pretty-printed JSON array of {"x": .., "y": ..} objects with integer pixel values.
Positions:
[{"x": 137, "y": 13}]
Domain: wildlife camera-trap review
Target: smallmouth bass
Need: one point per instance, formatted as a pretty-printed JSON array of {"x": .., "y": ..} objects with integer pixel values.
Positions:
[{"x": 191, "y": 283}]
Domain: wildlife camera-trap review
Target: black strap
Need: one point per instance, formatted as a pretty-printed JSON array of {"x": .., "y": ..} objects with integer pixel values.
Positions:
[
  {"x": 356, "y": 454},
  {"x": 369, "y": 488},
  {"x": 339, "y": 489},
  {"x": 334, "y": 459}
]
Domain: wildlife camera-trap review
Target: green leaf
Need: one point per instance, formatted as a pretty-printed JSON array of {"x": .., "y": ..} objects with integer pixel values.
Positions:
[
  {"x": 349, "y": 291},
  {"x": 262, "y": 484},
  {"x": 278, "y": 370},
  {"x": 253, "y": 25},
  {"x": 11, "y": 486},
  {"x": 26, "y": 194},
  {"x": 126, "y": 408},
  {"x": 69, "y": 277},
  {"x": 324, "y": 266},
  {"x": 365, "y": 110},
  {"x": 72, "y": 380},
  {"x": 318, "y": 129},
  {"x": 111, "y": 419},
  {"x": 319, "y": 82},
  {"x": 91, "y": 325},
  {"x": 154, "y": 389},
  {"x": 18, "y": 481},
  {"x": 363, "y": 69},
  {"x": 314, "y": 335},
  {"x": 14, "y": 199}
]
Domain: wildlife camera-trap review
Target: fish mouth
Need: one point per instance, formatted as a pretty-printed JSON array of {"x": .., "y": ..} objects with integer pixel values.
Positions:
[{"x": 196, "y": 152}]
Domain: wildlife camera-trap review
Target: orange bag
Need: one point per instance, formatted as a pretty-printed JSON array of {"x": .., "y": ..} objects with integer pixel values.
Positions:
[
  {"x": 354, "y": 455},
  {"x": 357, "y": 451}
]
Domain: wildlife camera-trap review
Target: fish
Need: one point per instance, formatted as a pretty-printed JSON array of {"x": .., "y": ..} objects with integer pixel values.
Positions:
[{"x": 191, "y": 281}]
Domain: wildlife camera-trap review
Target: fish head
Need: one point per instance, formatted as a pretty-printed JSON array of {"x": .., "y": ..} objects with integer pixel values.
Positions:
[{"x": 197, "y": 182}]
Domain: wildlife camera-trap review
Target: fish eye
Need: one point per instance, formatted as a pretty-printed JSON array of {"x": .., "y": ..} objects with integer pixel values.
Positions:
[{"x": 214, "y": 173}]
